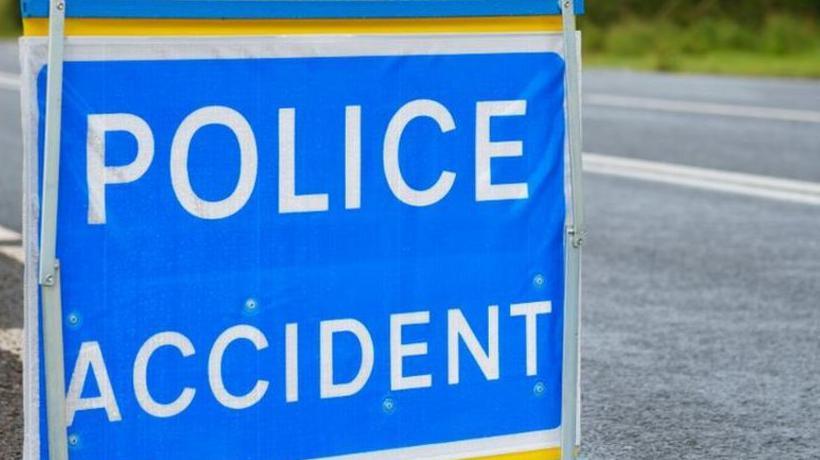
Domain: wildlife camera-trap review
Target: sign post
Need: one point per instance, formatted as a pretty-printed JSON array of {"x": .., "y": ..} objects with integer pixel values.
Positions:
[
  {"x": 49, "y": 268},
  {"x": 570, "y": 426},
  {"x": 302, "y": 229}
]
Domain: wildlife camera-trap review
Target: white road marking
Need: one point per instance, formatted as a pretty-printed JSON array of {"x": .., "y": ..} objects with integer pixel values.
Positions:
[
  {"x": 707, "y": 179},
  {"x": 9, "y": 81},
  {"x": 11, "y": 340},
  {"x": 702, "y": 108},
  {"x": 11, "y": 244}
]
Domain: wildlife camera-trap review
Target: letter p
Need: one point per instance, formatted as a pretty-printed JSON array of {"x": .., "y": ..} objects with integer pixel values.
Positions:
[{"x": 98, "y": 175}]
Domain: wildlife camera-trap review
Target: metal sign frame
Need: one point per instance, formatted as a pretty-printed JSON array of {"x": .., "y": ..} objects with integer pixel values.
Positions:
[
  {"x": 49, "y": 268},
  {"x": 570, "y": 397}
]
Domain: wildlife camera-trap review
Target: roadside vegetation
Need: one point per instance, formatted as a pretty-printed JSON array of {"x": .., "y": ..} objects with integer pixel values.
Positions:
[
  {"x": 9, "y": 18},
  {"x": 751, "y": 37}
]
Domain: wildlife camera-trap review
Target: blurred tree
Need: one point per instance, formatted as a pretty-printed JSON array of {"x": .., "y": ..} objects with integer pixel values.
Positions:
[
  {"x": 10, "y": 23},
  {"x": 770, "y": 37},
  {"x": 684, "y": 12}
]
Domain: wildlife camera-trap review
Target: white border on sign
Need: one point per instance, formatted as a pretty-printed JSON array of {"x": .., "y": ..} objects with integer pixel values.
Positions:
[
  {"x": 483, "y": 447},
  {"x": 33, "y": 52},
  {"x": 289, "y": 46}
]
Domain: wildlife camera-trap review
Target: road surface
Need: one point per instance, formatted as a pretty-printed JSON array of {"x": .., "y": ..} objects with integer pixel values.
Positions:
[{"x": 701, "y": 322}]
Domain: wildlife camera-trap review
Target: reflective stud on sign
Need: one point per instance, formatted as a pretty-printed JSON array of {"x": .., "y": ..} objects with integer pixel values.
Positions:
[
  {"x": 539, "y": 389},
  {"x": 538, "y": 280},
  {"x": 388, "y": 405},
  {"x": 73, "y": 320}
]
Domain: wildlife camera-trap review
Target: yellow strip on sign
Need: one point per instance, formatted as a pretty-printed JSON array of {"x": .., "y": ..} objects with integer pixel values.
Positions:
[
  {"x": 218, "y": 27},
  {"x": 547, "y": 454}
]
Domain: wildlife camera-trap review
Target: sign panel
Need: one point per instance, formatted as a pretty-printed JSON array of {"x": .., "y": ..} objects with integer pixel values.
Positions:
[{"x": 307, "y": 247}]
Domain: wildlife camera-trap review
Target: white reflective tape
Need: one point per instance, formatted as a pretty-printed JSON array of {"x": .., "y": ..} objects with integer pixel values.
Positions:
[
  {"x": 703, "y": 178},
  {"x": 471, "y": 448},
  {"x": 703, "y": 108},
  {"x": 322, "y": 45}
]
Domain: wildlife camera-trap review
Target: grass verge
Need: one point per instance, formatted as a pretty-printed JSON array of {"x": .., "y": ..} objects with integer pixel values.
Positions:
[
  {"x": 784, "y": 46},
  {"x": 9, "y": 18}
]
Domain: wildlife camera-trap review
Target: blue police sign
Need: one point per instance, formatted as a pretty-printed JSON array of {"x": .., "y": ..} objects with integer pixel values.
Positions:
[{"x": 310, "y": 248}]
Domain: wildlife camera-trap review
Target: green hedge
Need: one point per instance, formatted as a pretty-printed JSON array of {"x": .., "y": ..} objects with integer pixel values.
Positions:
[
  {"x": 777, "y": 35},
  {"x": 748, "y": 13},
  {"x": 764, "y": 37},
  {"x": 10, "y": 18}
]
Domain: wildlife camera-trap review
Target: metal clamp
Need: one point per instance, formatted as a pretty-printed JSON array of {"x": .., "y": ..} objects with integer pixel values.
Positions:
[{"x": 576, "y": 237}]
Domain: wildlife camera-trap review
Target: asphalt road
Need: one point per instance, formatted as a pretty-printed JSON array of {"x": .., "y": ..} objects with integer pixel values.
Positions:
[
  {"x": 10, "y": 142},
  {"x": 751, "y": 145},
  {"x": 701, "y": 322}
]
